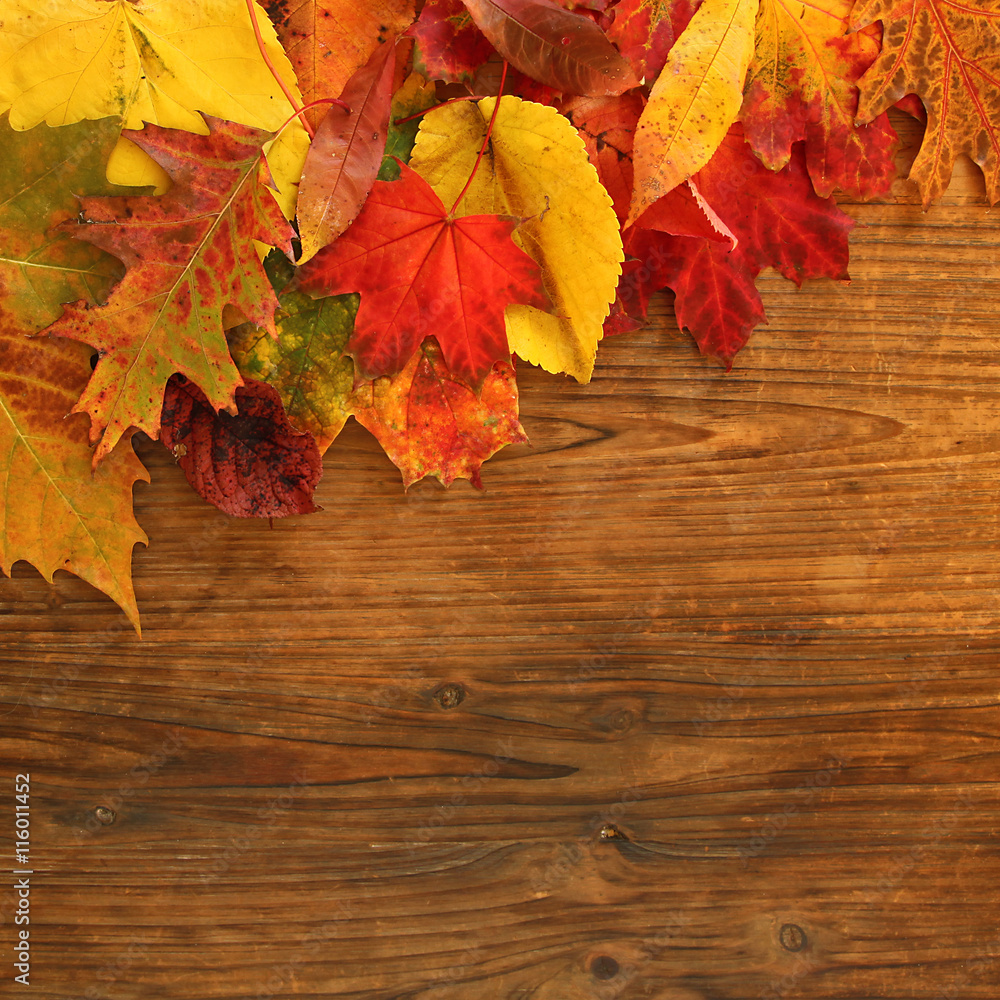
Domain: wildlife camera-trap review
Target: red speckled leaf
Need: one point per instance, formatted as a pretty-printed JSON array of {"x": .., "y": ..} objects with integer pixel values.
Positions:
[
  {"x": 562, "y": 49},
  {"x": 328, "y": 40},
  {"x": 346, "y": 154},
  {"x": 254, "y": 464},
  {"x": 188, "y": 255},
  {"x": 645, "y": 30},
  {"x": 947, "y": 53},
  {"x": 802, "y": 84},
  {"x": 449, "y": 45},
  {"x": 432, "y": 425},
  {"x": 421, "y": 272}
]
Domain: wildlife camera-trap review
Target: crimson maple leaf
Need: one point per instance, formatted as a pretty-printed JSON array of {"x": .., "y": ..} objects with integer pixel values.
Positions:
[
  {"x": 779, "y": 221},
  {"x": 422, "y": 273}
]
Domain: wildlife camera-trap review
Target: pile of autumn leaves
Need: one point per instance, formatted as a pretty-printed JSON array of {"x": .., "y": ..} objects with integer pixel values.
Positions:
[{"x": 238, "y": 281}]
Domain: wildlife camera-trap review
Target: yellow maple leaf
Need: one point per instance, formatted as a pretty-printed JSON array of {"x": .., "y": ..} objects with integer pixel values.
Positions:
[
  {"x": 147, "y": 61},
  {"x": 695, "y": 99},
  {"x": 538, "y": 171}
]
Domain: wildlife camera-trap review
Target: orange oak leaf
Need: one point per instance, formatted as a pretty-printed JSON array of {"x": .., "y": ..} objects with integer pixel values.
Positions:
[
  {"x": 560, "y": 48},
  {"x": 645, "y": 30},
  {"x": 422, "y": 272},
  {"x": 188, "y": 254},
  {"x": 802, "y": 84},
  {"x": 947, "y": 53},
  {"x": 253, "y": 464},
  {"x": 430, "y": 424},
  {"x": 449, "y": 45},
  {"x": 345, "y": 154},
  {"x": 327, "y": 41}
]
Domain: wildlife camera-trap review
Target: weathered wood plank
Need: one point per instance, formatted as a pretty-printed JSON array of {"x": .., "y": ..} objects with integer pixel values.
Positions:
[{"x": 699, "y": 701}]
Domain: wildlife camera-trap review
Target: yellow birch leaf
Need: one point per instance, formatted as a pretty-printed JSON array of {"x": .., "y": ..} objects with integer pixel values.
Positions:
[
  {"x": 695, "y": 99},
  {"x": 148, "y": 61},
  {"x": 538, "y": 171}
]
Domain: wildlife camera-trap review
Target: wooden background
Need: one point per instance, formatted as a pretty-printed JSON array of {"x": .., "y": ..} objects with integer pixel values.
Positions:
[{"x": 700, "y": 700}]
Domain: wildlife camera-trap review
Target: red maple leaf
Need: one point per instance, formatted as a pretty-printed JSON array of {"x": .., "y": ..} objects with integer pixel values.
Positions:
[
  {"x": 422, "y": 273},
  {"x": 252, "y": 465},
  {"x": 780, "y": 222}
]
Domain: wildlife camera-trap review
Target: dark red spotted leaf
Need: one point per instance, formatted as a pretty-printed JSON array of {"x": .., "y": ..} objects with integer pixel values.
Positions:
[
  {"x": 421, "y": 272},
  {"x": 254, "y": 464},
  {"x": 560, "y": 48}
]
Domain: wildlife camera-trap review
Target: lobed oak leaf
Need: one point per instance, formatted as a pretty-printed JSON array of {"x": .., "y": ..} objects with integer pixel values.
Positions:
[
  {"x": 645, "y": 31},
  {"x": 306, "y": 362},
  {"x": 420, "y": 272},
  {"x": 55, "y": 513},
  {"x": 251, "y": 464},
  {"x": 327, "y": 41},
  {"x": 562, "y": 49},
  {"x": 802, "y": 85},
  {"x": 188, "y": 255},
  {"x": 40, "y": 266},
  {"x": 538, "y": 171},
  {"x": 449, "y": 45},
  {"x": 430, "y": 424},
  {"x": 948, "y": 54},
  {"x": 346, "y": 154},
  {"x": 695, "y": 99}
]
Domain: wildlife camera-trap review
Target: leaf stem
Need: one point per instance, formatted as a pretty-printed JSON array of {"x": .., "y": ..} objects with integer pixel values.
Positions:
[
  {"x": 486, "y": 139},
  {"x": 314, "y": 104},
  {"x": 270, "y": 65}
]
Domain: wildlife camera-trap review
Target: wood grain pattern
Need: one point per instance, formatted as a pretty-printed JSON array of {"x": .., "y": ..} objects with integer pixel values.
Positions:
[{"x": 700, "y": 700}]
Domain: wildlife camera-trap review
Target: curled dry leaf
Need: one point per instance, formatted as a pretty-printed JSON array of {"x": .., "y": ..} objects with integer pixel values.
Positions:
[{"x": 253, "y": 464}]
